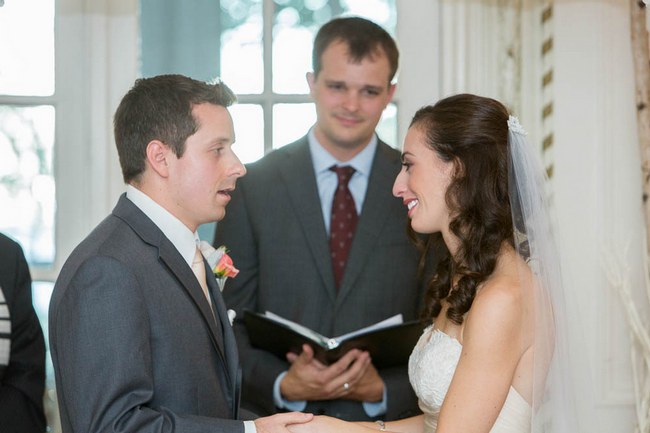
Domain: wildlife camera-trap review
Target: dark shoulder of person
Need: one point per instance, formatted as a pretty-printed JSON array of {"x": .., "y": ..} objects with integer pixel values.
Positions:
[{"x": 10, "y": 250}]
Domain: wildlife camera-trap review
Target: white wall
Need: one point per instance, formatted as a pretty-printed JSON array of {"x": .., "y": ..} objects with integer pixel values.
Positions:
[
  {"x": 418, "y": 34},
  {"x": 598, "y": 190}
]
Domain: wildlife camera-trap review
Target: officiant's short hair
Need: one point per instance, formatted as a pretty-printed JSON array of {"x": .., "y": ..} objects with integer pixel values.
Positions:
[{"x": 364, "y": 39}]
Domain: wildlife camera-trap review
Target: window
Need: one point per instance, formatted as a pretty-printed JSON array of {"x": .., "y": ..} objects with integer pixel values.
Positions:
[
  {"x": 28, "y": 102},
  {"x": 262, "y": 50},
  {"x": 27, "y": 117},
  {"x": 266, "y": 52}
]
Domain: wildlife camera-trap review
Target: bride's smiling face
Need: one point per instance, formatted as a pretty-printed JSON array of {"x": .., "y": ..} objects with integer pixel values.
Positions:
[{"x": 422, "y": 184}]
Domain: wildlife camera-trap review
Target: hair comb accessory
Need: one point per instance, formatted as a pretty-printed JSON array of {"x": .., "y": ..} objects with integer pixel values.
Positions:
[{"x": 515, "y": 126}]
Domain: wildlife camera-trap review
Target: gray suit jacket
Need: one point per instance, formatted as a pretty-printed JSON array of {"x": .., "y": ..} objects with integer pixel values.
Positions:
[
  {"x": 134, "y": 344},
  {"x": 275, "y": 231}
]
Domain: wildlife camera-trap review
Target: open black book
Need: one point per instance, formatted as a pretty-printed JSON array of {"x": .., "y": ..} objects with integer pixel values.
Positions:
[{"x": 389, "y": 342}]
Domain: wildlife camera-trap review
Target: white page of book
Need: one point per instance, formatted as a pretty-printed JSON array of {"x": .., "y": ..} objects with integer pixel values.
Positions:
[
  {"x": 309, "y": 333},
  {"x": 394, "y": 320}
]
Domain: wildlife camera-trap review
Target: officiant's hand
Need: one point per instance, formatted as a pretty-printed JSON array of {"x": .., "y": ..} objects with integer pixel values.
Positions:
[
  {"x": 369, "y": 388},
  {"x": 309, "y": 379}
]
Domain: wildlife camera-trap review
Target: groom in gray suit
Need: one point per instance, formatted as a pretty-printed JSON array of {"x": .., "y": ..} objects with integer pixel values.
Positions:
[
  {"x": 280, "y": 226},
  {"x": 139, "y": 333}
]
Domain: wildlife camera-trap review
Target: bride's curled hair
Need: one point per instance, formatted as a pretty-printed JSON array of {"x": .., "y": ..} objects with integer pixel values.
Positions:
[{"x": 471, "y": 132}]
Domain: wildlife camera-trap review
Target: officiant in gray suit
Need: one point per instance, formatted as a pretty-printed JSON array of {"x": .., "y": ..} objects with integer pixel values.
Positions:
[
  {"x": 320, "y": 240},
  {"x": 139, "y": 333}
]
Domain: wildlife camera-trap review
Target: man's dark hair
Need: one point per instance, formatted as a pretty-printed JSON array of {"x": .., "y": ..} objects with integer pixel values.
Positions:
[
  {"x": 160, "y": 108},
  {"x": 364, "y": 39}
]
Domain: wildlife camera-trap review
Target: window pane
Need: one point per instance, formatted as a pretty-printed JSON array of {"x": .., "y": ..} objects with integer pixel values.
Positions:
[
  {"x": 249, "y": 131},
  {"x": 380, "y": 11},
  {"x": 294, "y": 28},
  {"x": 27, "y": 47},
  {"x": 291, "y": 121},
  {"x": 295, "y": 25},
  {"x": 26, "y": 179},
  {"x": 242, "y": 66},
  {"x": 387, "y": 126}
]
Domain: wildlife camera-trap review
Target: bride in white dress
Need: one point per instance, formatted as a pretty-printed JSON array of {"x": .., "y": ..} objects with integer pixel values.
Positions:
[{"x": 489, "y": 360}]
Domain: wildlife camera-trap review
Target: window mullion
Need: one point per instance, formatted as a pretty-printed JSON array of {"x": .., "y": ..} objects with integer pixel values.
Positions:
[{"x": 267, "y": 96}]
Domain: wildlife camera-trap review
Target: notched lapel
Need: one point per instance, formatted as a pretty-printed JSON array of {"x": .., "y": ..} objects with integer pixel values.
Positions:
[
  {"x": 172, "y": 258},
  {"x": 297, "y": 173},
  {"x": 228, "y": 337}
]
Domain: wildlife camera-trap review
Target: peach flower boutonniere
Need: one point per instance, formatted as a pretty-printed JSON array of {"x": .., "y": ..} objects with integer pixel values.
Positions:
[
  {"x": 225, "y": 267},
  {"x": 220, "y": 262}
]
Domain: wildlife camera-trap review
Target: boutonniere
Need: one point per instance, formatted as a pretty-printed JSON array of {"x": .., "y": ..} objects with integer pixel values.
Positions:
[{"x": 220, "y": 263}]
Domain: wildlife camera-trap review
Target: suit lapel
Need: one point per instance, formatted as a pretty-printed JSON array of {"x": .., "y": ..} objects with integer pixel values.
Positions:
[
  {"x": 170, "y": 257},
  {"x": 297, "y": 173},
  {"x": 374, "y": 215},
  {"x": 228, "y": 337}
]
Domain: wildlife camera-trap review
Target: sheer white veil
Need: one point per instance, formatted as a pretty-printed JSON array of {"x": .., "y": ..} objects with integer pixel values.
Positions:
[{"x": 553, "y": 393}]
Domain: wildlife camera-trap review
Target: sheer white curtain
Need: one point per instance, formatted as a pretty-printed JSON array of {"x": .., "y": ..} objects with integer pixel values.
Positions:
[
  {"x": 640, "y": 332},
  {"x": 597, "y": 190}
]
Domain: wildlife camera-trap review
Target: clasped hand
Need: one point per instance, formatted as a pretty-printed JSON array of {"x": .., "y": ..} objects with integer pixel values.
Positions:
[{"x": 309, "y": 379}]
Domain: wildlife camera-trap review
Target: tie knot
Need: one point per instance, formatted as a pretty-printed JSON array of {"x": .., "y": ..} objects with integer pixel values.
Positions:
[{"x": 344, "y": 173}]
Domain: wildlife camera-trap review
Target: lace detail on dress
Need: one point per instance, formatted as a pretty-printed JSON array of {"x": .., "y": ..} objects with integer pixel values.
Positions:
[
  {"x": 431, "y": 368},
  {"x": 432, "y": 365}
]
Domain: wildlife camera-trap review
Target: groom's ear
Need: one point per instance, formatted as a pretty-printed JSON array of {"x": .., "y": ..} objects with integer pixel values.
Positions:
[{"x": 157, "y": 155}]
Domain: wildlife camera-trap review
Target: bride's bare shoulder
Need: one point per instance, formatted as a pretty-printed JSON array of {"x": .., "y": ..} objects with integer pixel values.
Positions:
[{"x": 499, "y": 301}]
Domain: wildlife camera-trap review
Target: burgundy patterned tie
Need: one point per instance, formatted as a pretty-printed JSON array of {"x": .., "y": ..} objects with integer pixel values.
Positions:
[{"x": 342, "y": 223}]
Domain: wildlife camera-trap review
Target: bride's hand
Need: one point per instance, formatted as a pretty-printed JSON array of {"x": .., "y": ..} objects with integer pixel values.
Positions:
[{"x": 321, "y": 424}]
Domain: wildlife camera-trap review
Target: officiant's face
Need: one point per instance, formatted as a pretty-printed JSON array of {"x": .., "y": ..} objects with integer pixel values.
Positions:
[
  {"x": 350, "y": 97},
  {"x": 203, "y": 177},
  {"x": 422, "y": 184}
]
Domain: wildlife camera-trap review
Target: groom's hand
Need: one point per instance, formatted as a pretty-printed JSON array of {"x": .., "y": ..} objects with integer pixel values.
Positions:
[
  {"x": 308, "y": 379},
  {"x": 278, "y": 423}
]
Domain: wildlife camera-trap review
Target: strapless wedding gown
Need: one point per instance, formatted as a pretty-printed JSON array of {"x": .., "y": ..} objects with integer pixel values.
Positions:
[{"x": 431, "y": 367}]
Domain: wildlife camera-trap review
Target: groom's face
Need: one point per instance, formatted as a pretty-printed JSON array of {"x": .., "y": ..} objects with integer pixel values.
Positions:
[{"x": 202, "y": 179}]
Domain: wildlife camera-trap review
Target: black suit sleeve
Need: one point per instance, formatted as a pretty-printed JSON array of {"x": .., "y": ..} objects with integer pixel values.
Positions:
[{"x": 23, "y": 380}]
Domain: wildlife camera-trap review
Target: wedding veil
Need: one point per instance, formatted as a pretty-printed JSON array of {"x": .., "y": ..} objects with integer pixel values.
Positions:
[{"x": 553, "y": 407}]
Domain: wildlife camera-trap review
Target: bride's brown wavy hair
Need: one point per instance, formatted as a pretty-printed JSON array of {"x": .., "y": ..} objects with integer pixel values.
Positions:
[{"x": 471, "y": 132}]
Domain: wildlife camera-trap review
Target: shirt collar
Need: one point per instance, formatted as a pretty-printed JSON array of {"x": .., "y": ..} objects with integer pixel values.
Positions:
[
  {"x": 179, "y": 235},
  {"x": 323, "y": 160}
]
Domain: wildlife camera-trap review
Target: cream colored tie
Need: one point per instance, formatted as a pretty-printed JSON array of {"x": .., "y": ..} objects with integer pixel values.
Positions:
[{"x": 199, "y": 270}]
